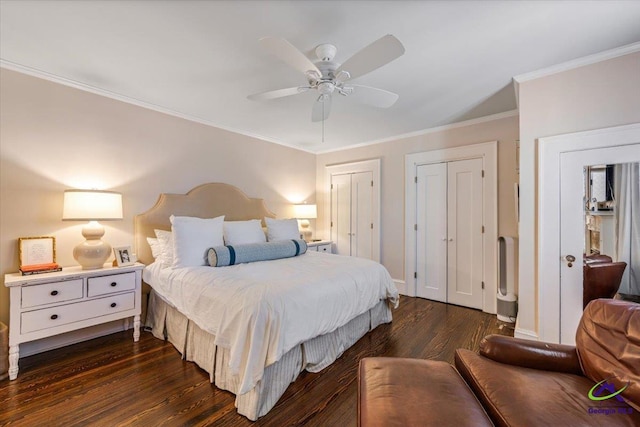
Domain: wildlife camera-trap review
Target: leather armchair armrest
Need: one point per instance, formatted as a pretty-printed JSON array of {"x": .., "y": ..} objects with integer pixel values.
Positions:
[{"x": 531, "y": 354}]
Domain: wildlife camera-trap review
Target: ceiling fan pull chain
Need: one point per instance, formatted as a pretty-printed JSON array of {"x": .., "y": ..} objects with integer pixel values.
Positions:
[{"x": 323, "y": 122}]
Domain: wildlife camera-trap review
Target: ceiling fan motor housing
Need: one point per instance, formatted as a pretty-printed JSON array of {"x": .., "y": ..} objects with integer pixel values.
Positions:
[{"x": 326, "y": 52}]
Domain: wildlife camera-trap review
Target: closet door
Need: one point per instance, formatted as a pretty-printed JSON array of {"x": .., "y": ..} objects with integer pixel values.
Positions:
[
  {"x": 341, "y": 213},
  {"x": 464, "y": 232},
  {"x": 431, "y": 272},
  {"x": 362, "y": 215}
]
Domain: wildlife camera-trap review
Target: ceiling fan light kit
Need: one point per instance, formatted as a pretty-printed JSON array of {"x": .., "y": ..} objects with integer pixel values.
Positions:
[{"x": 328, "y": 77}]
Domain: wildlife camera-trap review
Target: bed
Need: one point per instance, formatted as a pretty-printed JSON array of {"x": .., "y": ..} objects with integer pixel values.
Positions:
[{"x": 254, "y": 327}]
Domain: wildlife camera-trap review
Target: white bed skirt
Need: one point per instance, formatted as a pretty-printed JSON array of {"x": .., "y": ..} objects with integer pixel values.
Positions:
[{"x": 198, "y": 346}]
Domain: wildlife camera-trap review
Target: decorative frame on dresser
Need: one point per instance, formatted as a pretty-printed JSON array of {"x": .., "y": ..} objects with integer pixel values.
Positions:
[{"x": 44, "y": 305}]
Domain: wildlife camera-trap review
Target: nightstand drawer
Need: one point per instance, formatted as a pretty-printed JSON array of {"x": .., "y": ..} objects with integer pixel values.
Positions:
[
  {"x": 324, "y": 248},
  {"x": 51, "y": 317},
  {"x": 48, "y": 293},
  {"x": 113, "y": 283}
]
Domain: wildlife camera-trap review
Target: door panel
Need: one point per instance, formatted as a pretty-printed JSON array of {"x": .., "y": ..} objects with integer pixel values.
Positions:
[
  {"x": 361, "y": 215},
  {"x": 572, "y": 227},
  {"x": 432, "y": 232},
  {"x": 341, "y": 213},
  {"x": 464, "y": 225}
]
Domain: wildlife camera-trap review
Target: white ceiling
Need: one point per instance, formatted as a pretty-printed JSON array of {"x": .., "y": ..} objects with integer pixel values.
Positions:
[{"x": 200, "y": 59}]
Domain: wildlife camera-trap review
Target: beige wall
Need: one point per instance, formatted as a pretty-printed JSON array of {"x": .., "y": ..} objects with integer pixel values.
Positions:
[
  {"x": 392, "y": 155},
  {"x": 54, "y": 137},
  {"x": 596, "y": 96}
]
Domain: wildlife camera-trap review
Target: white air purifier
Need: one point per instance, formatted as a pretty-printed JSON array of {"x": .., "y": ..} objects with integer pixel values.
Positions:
[{"x": 507, "y": 306}]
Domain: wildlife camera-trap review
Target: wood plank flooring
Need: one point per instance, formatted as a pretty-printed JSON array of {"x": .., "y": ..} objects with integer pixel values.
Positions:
[{"x": 111, "y": 381}]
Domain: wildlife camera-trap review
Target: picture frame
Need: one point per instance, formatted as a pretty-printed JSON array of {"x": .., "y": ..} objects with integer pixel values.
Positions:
[
  {"x": 36, "y": 250},
  {"x": 123, "y": 256}
]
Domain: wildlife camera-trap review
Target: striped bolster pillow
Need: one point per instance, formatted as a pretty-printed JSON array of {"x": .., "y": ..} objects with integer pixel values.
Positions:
[{"x": 221, "y": 256}]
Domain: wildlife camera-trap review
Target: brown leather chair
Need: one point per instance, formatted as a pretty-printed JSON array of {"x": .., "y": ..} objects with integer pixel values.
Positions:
[
  {"x": 601, "y": 280},
  {"x": 592, "y": 259},
  {"x": 531, "y": 383},
  {"x": 516, "y": 382}
]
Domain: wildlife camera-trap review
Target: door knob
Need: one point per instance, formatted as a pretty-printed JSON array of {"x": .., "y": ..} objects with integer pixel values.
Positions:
[{"x": 570, "y": 260}]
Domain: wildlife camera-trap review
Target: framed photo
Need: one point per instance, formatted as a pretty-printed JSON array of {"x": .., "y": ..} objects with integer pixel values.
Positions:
[
  {"x": 123, "y": 256},
  {"x": 37, "y": 250}
]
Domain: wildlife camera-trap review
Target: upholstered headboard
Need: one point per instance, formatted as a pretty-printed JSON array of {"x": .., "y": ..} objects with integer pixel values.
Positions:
[{"x": 204, "y": 201}]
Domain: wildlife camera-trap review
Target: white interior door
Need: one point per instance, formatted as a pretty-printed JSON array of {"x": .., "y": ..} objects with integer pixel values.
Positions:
[
  {"x": 341, "y": 213},
  {"x": 572, "y": 214},
  {"x": 361, "y": 215},
  {"x": 431, "y": 245},
  {"x": 464, "y": 225}
]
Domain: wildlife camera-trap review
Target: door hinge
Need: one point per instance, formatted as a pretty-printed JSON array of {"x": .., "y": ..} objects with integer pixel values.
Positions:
[
  {"x": 483, "y": 229},
  {"x": 332, "y": 186},
  {"x": 483, "y": 173},
  {"x": 415, "y": 274},
  {"x": 372, "y": 226},
  {"x": 415, "y": 227},
  {"x": 372, "y": 183},
  {"x": 415, "y": 179},
  {"x": 331, "y": 223},
  {"x": 482, "y": 285}
]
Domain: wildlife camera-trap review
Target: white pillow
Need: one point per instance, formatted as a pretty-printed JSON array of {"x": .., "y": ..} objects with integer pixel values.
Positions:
[
  {"x": 282, "y": 229},
  {"x": 192, "y": 238},
  {"x": 162, "y": 247},
  {"x": 241, "y": 232}
]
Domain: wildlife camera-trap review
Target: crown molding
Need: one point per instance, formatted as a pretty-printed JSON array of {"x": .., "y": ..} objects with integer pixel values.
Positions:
[
  {"x": 579, "y": 62},
  {"x": 139, "y": 103},
  {"x": 451, "y": 126},
  {"x": 133, "y": 101}
]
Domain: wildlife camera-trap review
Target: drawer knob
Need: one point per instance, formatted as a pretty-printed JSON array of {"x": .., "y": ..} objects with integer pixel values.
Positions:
[
  {"x": 54, "y": 293},
  {"x": 54, "y": 316},
  {"x": 114, "y": 284},
  {"x": 113, "y": 304}
]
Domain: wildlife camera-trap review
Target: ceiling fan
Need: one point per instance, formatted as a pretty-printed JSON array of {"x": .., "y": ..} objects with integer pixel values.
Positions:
[{"x": 328, "y": 77}]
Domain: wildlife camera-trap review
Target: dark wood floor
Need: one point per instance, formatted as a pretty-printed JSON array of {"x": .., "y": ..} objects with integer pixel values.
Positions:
[{"x": 112, "y": 381}]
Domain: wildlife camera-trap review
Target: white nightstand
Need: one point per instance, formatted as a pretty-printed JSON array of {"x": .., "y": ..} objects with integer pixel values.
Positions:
[
  {"x": 43, "y": 305},
  {"x": 320, "y": 246}
]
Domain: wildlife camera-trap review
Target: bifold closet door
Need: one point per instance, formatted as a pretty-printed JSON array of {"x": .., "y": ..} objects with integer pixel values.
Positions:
[
  {"x": 352, "y": 214},
  {"x": 341, "y": 213},
  {"x": 464, "y": 226},
  {"x": 361, "y": 215},
  {"x": 449, "y": 258},
  {"x": 432, "y": 232}
]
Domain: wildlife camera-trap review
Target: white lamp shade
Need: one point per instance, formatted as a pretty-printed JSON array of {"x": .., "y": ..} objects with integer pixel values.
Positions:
[
  {"x": 304, "y": 211},
  {"x": 91, "y": 205}
]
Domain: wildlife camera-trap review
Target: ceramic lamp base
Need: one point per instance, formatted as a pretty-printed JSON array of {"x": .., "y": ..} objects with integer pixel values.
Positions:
[{"x": 92, "y": 254}]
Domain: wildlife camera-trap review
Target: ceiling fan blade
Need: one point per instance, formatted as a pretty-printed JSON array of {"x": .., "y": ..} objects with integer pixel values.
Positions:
[
  {"x": 372, "y": 57},
  {"x": 289, "y": 54},
  {"x": 273, "y": 94},
  {"x": 321, "y": 108},
  {"x": 373, "y": 96}
]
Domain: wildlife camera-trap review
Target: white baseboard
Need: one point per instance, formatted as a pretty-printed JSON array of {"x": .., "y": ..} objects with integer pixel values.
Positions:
[
  {"x": 73, "y": 337},
  {"x": 526, "y": 334},
  {"x": 402, "y": 286}
]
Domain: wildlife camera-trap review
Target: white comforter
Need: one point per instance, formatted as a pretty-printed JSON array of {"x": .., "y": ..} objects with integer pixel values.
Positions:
[{"x": 261, "y": 310}]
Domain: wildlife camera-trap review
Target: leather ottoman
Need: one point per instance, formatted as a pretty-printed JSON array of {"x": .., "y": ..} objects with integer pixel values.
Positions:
[{"x": 413, "y": 392}]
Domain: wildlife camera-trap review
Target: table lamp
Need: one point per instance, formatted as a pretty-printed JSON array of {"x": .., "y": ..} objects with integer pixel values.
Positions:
[
  {"x": 304, "y": 213},
  {"x": 92, "y": 206}
]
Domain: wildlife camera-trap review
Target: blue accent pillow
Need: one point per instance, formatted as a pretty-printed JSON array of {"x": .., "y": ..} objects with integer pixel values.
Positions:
[{"x": 221, "y": 256}]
